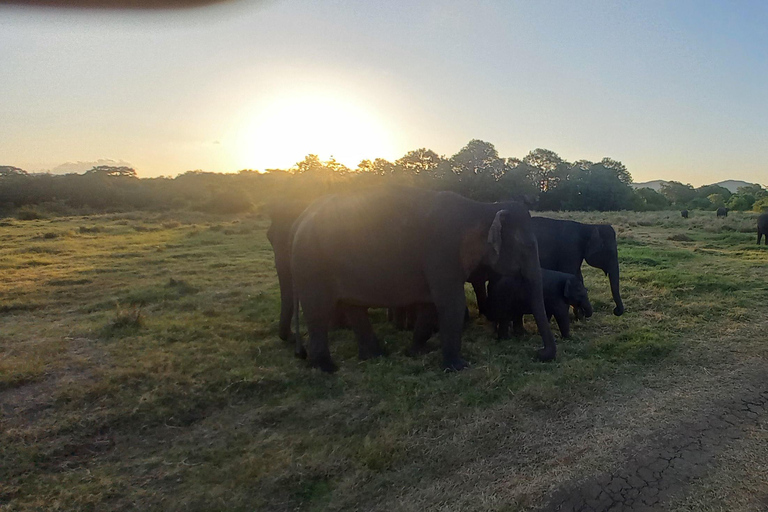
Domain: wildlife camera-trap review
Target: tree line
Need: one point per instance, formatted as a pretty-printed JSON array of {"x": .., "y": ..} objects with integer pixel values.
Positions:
[{"x": 542, "y": 179}]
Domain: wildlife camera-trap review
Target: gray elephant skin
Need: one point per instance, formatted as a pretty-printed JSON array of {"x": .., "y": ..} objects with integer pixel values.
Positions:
[
  {"x": 684, "y": 213},
  {"x": 762, "y": 228},
  {"x": 399, "y": 246},
  {"x": 722, "y": 212},
  {"x": 508, "y": 301}
]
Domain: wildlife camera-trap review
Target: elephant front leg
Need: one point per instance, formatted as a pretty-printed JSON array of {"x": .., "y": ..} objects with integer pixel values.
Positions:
[
  {"x": 563, "y": 320},
  {"x": 368, "y": 345},
  {"x": 450, "y": 310}
]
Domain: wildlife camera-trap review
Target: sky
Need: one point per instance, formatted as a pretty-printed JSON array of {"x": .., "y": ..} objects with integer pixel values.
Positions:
[{"x": 676, "y": 90}]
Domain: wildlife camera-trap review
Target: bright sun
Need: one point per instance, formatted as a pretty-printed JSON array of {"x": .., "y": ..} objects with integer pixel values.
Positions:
[{"x": 287, "y": 129}]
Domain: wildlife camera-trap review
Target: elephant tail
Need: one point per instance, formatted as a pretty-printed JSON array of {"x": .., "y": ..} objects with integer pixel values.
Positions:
[{"x": 299, "y": 351}]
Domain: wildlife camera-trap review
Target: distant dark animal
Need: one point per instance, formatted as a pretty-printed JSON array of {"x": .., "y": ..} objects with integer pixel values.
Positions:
[
  {"x": 508, "y": 300},
  {"x": 722, "y": 212},
  {"x": 400, "y": 246},
  {"x": 762, "y": 228},
  {"x": 684, "y": 213}
]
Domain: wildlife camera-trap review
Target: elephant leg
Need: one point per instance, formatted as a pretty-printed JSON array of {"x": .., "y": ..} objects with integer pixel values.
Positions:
[
  {"x": 450, "y": 303},
  {"x": 318, "y": 311},
  {"x": 339, "y": 319},
  {"x": 502, "y": 329},
  {"x": 517, "y": 326},
  {"x": 368, "y": 345},
  {"x": 411, "y": 315},
  {"x": 426, "y": 321},
  {"x": 563, "y": 321},
  {"x": 286, "y": 306}
]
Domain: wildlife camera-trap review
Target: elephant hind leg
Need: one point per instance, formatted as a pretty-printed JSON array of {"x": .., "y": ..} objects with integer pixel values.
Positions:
[{"x": 317, "y": 314}]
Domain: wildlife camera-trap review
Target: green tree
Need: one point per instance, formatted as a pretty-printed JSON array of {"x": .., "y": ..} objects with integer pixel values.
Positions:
[
  {"x": 677, "y": 193},
  {"x": 647, "y": 199}
]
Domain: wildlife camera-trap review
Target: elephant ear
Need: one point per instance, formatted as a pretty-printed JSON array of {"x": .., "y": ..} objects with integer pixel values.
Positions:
[
  {"x": 568, "y": 289},
  {"x": 594, "y": 244},
  {"x": 494, "y": 238}
]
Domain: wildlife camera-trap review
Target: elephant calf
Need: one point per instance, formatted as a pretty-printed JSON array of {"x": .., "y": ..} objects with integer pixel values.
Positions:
[
  {"x": 762, "y": 228},
  {"x": 508, "y": 300}
]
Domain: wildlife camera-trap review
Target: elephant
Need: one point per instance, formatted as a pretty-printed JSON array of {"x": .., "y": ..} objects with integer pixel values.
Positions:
[
  {"x": 508, "y": 301},
  {"x": 563, "y": 246},
  {"x": 762, "y": 227},
  {"x": 283, "y": 214},
  {"x": 722, "y": 211},
  {"x": 401, "y": 246},
  {"x": 684, "y": 213}
]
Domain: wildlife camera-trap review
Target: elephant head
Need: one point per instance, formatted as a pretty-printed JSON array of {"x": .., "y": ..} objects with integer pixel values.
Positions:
[
  {"x": 575, "y": 294},
  {"x": 602, "y": 253},
  {"x": 513, "y": 250},
  {"x": 512, "y": 246}
]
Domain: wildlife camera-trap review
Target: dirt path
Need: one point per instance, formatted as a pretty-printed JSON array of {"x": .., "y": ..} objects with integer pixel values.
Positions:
[{"x": 666, "y": 469}]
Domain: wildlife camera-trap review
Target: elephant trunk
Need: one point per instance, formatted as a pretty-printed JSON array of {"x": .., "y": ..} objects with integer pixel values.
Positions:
[{"x": 613, "y": 276}]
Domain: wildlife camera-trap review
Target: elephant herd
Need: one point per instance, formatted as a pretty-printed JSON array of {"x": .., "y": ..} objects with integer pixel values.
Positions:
[
  {"x": 412, "y": 250},
  {"x": 762, "y": 222}
]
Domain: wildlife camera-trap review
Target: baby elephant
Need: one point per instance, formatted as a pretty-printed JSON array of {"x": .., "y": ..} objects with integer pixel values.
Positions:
[{"x": 508, "y": 300}]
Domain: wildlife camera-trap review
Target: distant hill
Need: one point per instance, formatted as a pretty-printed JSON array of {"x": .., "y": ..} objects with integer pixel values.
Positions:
[
  {"x": 655, "y": 184},
  {"x": 731, "y": 185}
]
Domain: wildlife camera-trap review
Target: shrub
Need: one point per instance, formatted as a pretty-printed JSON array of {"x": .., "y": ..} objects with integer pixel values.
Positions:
[{"x": 28, "y": 214}]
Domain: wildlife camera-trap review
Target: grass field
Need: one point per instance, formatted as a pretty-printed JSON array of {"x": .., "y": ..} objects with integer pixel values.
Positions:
[{"x": 140, "y": 368}]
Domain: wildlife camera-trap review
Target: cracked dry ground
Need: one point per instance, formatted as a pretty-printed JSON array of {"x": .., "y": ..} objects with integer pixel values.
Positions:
[{"x": 669, "y": 465}]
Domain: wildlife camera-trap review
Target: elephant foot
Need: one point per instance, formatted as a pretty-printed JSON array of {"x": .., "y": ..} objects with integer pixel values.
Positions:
[
  {"x": 504, "y": 336},
  {"x": 300, "y": 353},
  {"x": 419, "y": 350},
  {"x": 455, "y": 364},
  {"x": 324, "y": 363},
  {"x": 546, "y": 354}
]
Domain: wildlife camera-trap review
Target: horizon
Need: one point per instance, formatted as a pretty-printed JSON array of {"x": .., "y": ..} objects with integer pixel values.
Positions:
[{"x": 671, "y": 89}]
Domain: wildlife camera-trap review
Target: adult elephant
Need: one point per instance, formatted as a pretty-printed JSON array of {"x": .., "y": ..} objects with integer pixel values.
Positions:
[
  {"x": 762, "y": 228},
  {"x": 399, "y": 246},
  {"x": 563, "y": 246},
  {"x": 722, "y": 211},
  {"x": 283, "y": 214}
]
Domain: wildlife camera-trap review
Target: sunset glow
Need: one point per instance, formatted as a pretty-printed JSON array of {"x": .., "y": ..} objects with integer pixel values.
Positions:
[{"x": 284, "y": 130}]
